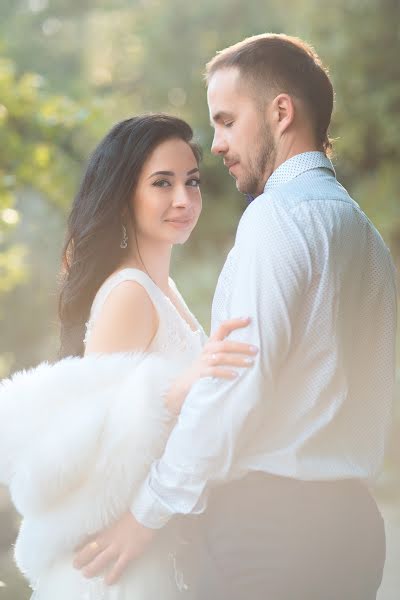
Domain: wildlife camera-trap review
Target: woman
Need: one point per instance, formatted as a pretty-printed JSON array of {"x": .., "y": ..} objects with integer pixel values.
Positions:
[{"x": 80, "y": 435}]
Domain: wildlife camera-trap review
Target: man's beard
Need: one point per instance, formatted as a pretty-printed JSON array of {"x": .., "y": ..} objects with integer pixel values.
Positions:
[{"x": 264, "y": 156}]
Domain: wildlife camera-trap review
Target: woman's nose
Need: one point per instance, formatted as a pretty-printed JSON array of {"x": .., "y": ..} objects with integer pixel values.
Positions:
[{"x": 181, "y": 197}]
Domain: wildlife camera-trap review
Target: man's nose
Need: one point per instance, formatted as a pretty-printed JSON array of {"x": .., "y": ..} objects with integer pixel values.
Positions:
[{"x": 219, "y": 145}]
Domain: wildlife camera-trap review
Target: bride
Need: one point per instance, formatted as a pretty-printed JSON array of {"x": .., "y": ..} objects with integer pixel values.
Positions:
[{"x": 77, "y": 436}]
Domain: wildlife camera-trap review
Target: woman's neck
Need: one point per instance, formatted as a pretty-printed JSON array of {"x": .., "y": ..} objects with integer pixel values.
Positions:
[{"x": 155, "y": 261}]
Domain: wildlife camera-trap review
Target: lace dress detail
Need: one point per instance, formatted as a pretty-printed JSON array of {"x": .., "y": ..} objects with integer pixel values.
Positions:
[{"x": 174, "y": 337}]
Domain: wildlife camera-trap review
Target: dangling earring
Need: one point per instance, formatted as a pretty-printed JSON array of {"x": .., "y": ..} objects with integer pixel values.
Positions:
[{"x": 124, "y": 241}]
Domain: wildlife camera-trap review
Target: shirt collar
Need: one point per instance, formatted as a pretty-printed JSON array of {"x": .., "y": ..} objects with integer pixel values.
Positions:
[{"x": 298, "y": 164}]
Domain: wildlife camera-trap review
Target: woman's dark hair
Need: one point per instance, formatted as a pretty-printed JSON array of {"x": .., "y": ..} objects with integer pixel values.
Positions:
[{"x": 92, "y": 247}]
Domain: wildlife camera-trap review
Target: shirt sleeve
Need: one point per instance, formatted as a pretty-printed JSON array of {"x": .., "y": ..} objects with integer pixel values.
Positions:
[{"x": 270, "y": 272}]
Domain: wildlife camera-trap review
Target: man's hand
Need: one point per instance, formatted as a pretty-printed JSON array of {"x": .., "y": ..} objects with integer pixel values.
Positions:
[{"x": 113, "y": 549}]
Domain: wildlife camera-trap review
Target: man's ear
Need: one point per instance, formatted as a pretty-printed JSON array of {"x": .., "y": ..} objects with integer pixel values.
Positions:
[{"x": 282, "y": 112}]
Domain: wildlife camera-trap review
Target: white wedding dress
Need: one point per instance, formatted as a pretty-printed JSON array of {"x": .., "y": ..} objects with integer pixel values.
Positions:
[{"x": 154, "y": 576}]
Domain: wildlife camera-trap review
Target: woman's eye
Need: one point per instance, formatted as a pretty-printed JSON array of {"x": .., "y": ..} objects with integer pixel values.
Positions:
[
  {"x": 229, "y": 124},
  {"x": 195, "y": 182},
  {"x": 161, "y": 183}
]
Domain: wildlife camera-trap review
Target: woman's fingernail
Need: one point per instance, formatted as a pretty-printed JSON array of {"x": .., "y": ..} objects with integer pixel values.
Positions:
[
  {"x": 234, "y": 373},
  {"x": 244, "y": 319},
  {"x": 249, "y": 361}
]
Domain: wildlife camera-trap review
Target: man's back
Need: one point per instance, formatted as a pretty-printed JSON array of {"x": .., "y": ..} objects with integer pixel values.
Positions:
[{"x": 330, "y": 354}]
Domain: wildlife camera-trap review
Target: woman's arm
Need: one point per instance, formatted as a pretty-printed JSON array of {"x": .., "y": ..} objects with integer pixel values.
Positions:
[{"x": 128, "y": 322}]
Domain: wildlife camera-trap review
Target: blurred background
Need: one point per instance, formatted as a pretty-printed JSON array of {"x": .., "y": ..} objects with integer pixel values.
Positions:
[{"x": 69, "y": 69}]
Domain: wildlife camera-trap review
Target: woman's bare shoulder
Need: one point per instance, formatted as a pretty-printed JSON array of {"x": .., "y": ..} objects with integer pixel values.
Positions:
[{"x": 127, "y": 320}]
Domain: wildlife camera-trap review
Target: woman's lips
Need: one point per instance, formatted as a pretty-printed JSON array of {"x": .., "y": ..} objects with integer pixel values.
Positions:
[{"x": 180, "y": 223}]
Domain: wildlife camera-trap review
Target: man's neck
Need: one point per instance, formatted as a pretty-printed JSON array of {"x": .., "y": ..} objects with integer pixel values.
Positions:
[
  {"x": 287, "y": 151},
  {"x": 293, "y": 148}
]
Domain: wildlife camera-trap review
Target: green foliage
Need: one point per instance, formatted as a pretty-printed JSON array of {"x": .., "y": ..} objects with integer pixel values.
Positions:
[
  {"x": 38, "y": 134},
  {"x": 361, "y": 49},
  {"x": 42, "y": 140}
]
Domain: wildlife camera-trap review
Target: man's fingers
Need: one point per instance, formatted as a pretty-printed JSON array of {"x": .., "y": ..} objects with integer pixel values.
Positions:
[
  {"x": 87, "y": 553},
  {"x": 103, "y": 560},
  {"x": 102, "y": 554},
  {"x": 118, "y": 569}
]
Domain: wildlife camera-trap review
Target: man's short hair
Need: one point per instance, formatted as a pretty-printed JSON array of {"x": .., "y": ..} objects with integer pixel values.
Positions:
[{"x": 276, "y": 63}]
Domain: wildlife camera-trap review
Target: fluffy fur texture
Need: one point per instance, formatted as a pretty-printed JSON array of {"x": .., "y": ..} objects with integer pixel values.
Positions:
[{"x": 76, "y": 439}]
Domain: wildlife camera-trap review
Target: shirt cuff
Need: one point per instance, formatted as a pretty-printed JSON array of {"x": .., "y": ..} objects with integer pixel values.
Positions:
[{"x": 149, "y": 511}]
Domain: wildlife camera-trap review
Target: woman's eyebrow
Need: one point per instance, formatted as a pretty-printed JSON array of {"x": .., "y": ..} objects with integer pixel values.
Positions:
[{"x": 172, "y": 174}]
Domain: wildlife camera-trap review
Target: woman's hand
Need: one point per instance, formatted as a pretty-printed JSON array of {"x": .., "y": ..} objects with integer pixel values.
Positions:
[{"x": 217, "y": 358}]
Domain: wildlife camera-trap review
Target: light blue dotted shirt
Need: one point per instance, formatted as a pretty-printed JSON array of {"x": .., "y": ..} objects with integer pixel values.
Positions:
[{"x": 317, "y": 280}]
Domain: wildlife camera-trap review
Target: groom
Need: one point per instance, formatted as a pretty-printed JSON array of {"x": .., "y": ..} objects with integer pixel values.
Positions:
[{"x": 278, "y": 460}]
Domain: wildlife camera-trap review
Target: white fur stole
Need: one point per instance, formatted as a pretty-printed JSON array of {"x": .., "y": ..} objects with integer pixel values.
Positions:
[{"x": 76, "y": 440}]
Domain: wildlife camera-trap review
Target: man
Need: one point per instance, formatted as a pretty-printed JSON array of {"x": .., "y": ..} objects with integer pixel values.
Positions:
[{"x": 278, "y": 460}]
